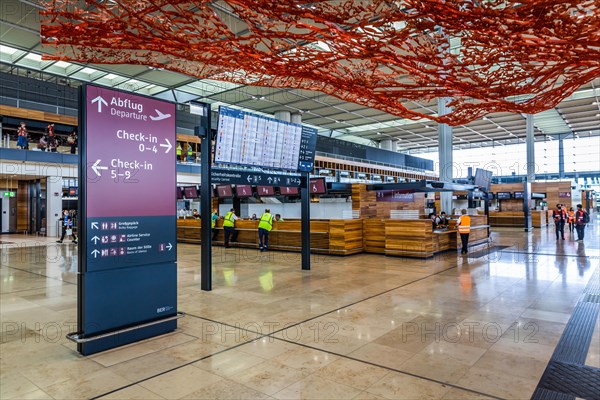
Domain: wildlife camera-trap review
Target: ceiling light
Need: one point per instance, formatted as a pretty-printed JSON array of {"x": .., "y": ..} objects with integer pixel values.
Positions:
[
  {"x": 379, "y": 133},
  {"x": 485, "y": 118},
  {"x": 337, "y": 122}
]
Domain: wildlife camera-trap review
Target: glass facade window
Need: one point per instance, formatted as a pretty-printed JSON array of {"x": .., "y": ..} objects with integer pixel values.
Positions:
[{"x": 582, "y": 154}]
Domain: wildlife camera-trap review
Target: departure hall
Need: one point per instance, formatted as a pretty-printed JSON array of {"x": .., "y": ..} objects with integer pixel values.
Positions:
[{"x": 300, "y": 200}]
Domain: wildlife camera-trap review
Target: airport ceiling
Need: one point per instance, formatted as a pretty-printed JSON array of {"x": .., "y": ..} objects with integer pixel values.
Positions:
[{"x": 20, "y": 46}]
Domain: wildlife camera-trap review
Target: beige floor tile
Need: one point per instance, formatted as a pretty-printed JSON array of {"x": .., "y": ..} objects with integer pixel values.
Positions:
[
  {"x": 14, "y": 385},
  {"x": 35, "y": 395},
  {"x": 121, "y": 354},
  {"x": 147, "y": 366},
  {"x": 305, "y": 359},
  {"x": 226, "y": 390},
  {"x": 367, "y": 396},
  {"x": 180, "y": 382},
  {"x": 229, "y": 363},
  {"x": 352, "y": 373},
  {"x": 193, "y": 350},
  {"x": 168, "y": 340},
  {"x": 551, "y": 316},
  {"x": 456, "y": 351},
  {"x": 267, "y": 347},
  {"x": 399, "y": 386},
  {"x": 439, "y": 367},
  {"x": 51, "y": 373},
  {"x": 88, "y": 386},
  {"x": 269, "y": 377},
  {"x": 384, "y": 356},
  {"x": 458, "y": 394},
  {"x": 499, "y": 385},
  {"x": 314, "y": 387},
  {"x": 506, "y": 364},
  {"x": 135, "y": 392}
]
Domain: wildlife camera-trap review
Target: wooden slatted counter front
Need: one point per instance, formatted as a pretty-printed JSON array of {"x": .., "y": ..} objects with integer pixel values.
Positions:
[
  {"x": 392, "y": 237},
  {"x": 339, "y": 237}
]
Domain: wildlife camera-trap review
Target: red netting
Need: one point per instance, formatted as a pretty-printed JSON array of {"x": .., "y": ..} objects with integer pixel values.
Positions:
[{"x": 488, "y": 56}]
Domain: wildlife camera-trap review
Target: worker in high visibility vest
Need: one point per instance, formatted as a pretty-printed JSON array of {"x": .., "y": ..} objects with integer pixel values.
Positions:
[
  {"x": 213, "y": 223},
  {"x": 264, "y": 227},
  {"x": 464, "y": 228},
  {"x": 189, "y": 152},
  {"x": 229, "y": 227},
  {"x": 178, "y": 151}
]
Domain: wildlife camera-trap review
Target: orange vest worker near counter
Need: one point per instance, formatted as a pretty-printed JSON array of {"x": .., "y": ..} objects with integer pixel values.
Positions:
[{"x": 464, "y": 228}]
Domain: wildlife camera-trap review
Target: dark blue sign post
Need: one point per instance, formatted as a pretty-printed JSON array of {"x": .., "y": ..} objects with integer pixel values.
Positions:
[{"x": 127, "y": 272}]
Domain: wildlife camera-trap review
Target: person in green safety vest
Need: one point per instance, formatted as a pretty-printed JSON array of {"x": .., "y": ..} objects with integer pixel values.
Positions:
[
  {"x": 213, "y": 223},
  {"x": 264, "y": 227},
  {"x": 229, "y": 227},
  {"x": 178, "y": 149},
  {"x": 189, "y": 152}
]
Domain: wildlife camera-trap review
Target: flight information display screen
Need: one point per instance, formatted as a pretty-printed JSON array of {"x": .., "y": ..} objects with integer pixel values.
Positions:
[{"x": 248, "y": 139}]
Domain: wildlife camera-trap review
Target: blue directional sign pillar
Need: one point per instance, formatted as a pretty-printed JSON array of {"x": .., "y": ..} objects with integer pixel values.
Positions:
[{"x": 127, "y": 272}]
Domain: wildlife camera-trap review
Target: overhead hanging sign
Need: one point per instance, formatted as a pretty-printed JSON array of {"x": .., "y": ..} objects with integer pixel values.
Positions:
[{"x": 254, "y": 140}]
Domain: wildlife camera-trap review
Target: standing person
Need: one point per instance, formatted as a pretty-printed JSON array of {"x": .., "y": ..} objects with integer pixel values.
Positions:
[
  {"x": 571, "y": 220},
  {"x": 264, "y": 227},
  {"x": 443, "y": 220},
  {"x": 22, "y": 141},
  {"x": 72, "y": 140},
  {"x": 434, "y": 221},
  {"x": 464, "y": 228},
  {"x": 581, "y": 219},
  {"x": 560, "y": 217},
  {"x": 229, "y": 227},
  {"x": 213, "y": 223},
  {"x": 67, "y": 224},
  {"x": 52, "y": 142},
  {"x": 189, "y": 152}
]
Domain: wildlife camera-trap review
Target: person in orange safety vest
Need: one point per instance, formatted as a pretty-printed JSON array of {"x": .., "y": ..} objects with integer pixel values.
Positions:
[{"x": 464, "y": 228}]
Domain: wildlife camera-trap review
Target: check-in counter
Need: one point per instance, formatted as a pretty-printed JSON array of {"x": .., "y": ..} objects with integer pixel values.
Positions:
[
  {"x": 516, "y": 219},
  {"x": 393, "y": 237},
  {"x": 339, "y": 237},
  {"x": 415, "y": 237}
]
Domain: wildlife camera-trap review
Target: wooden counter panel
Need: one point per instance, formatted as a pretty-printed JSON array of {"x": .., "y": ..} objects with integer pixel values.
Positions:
[
  {"x": 373, "y": 236},
  {"x": 345, "y": 236},
  {"x": 413, "y": 238}
]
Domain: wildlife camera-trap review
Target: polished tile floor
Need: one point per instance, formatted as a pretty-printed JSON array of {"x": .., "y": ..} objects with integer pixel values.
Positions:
[{"x": 360, "y": 327}]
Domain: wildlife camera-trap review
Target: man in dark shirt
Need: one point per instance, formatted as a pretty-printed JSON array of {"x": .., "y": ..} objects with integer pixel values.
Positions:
[{"x": 560, "y": 217}]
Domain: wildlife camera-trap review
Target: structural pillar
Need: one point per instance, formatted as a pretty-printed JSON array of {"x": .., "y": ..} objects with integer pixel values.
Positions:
[
  {"x": 530, "y": 149},
  {"x": 561, "y": 157},
  {"x": 283, "y": 116},
  {"x": 296, "y": 118},
  {"x": 386, "y": 144},
  {"x": 445, "y": 155},
  {"x": 54, "y": 186}
]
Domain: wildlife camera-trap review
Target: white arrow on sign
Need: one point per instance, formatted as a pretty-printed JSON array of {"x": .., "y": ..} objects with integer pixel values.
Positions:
[
  {"x": 100, "y": 101},
  {"x": 95, "y": 239},
  {"x": 95, "y": 253},
  {"x": 249, "y": 179},
  {"x": 170, "y": 246},
  {"x": 168, "y": 145},
  {"x": 160, "y": 117},
  {"x": 96, "y": 167},
  {"x": 95, "y": 225}
]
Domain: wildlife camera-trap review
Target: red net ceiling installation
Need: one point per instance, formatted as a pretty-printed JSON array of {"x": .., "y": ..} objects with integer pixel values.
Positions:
[{"x": 517, "y": 56}]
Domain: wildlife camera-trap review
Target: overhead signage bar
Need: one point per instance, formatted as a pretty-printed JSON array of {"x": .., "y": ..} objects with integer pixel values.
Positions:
[{"x": 247, "y": 177}]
